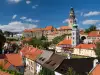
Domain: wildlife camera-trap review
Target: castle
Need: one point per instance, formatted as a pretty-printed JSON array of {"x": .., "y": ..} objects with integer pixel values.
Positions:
[{"x": 71, "y": 30}]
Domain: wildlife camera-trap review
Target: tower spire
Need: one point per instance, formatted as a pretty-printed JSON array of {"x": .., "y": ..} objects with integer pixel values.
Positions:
[{"x": 72, "y": 19}]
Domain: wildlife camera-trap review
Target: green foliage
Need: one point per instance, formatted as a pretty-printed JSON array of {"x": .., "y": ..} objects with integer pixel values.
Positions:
[
  {"x": 71, "y": 72},
  {"x": 11, "y": 39},
  {"x": 46, "y": 71},
  {"x": 39, "y": 43},
  {"x": 91, "y": 28},
  {"x": 57, "y": 39},
  {"x": 12, "y": 72},
  {"x": 97, "y": 49}
]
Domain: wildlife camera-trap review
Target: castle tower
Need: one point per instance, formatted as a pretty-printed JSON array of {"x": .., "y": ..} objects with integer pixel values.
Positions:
[
  {"x": 72, "y": 19},
  {"x": 75, "y": 35}
]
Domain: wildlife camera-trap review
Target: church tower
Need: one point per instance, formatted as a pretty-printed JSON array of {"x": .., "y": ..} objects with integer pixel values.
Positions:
[
  {"x": 72, "y": 19},
  {"x": 75, "y": 30}
]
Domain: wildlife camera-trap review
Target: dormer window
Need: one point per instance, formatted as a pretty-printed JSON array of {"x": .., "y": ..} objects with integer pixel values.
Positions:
[
  {"x": 40, "y": 58},
  {"x": 43, "y": 59},
  {"x": 53, "y": 64},
  {"x": 48, "y": 62}
]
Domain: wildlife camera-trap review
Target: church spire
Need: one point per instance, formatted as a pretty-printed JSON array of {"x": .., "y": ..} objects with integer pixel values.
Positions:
[
  {"x": 72, "y": 19},
  {"x": 72, "y": 14}
]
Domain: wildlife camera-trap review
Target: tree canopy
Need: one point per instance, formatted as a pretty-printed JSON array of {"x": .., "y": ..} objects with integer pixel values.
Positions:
[
  {"x": 97, "y": 49},
  {"x": 91, "y": 28},
  {"x": 57, "y": 39}
]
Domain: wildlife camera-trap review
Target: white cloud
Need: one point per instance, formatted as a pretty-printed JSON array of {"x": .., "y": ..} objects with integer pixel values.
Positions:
[
  {"x": 14, "y": 16},
  {"x": 14, "y": 1},
  {"x": 81, "y": 13},
  {"x": 35, "y": 6},
  {"x": 92, "y": 13},
  {"x": 66, "y": 20},
  {"x": 28, "y": 2},
  {"x": 23, "y": 18},
  {"x": 86, "y": 22},
  {"x": 31, "y": 20},
  {"x": 17, "y": 26}
]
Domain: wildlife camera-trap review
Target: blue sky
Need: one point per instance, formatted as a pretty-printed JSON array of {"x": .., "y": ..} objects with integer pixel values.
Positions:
[{"x": 16, "y": 15}]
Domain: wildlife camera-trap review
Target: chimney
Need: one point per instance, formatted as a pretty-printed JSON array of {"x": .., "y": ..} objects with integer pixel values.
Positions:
[{"x": 95, "y": 62}]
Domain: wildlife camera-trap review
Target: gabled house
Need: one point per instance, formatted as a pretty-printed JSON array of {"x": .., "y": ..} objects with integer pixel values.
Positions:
[
  {"x": 85, "y": 50},
  {"x": 14, "y": 62},
  {"x": 42, "y": 59},
  {"x": 81, "y": 66},
  {"x": 30, "y": 54},
  {"x": 54, "y": 62},
  {"x": 30, "y": 61}
]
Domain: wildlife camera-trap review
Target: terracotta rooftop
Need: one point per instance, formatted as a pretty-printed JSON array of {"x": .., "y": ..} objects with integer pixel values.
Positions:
[
  {"x": 7, "y": 65},
  {"x": 64, "y": 27},
  {"x": 94, "y": 34},
  {"x": 49, "y": 28},
  {"x": 96, "y": 70},
  {"x": 65, "y": 42},
  {"x": 14, "y": 59},
  {"x": 35, "y": 55},
  {"x": 86, "y": 46}
]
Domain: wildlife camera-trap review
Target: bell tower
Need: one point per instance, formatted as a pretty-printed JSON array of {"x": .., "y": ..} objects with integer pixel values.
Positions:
[{"x": 72, "y": 19}]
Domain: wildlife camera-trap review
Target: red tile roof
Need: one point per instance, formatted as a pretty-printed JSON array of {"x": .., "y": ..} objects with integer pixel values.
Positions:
[
  {"x": 14, "y": 59},
  {"x": 49, "y": 28},
  {"x": 7, "y": 65},
  {"x": 94, "y": 34},
  {"x": 34, "y": 56},
  {"x": 4, "y": 73},
  {"x": 86, "y": 46},
  {"x": 64, "y": 27},
  {"x": 96, "y": 70},
  {"x": 65, "y": 41}
]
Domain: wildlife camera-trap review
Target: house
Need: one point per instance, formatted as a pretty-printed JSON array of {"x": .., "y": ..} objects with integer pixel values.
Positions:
[
  {"x": 81, "y": 66},
  {"x": 30, "y": 60},
  {"x": 14, "y": 62},
  {"x": 94, "y": 35},
  {"x": 85, "y": 50},
  {"x": 30, "y": 54},
  {"x": 54, "y": 62},
  {"x": 42, "y": 59},
  {"x": 64, "y": 45},
  {"x": 95, "y": 70}
]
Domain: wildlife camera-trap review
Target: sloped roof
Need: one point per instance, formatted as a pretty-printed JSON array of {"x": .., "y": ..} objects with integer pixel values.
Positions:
[
  {"x": 65, "y": 42},
  {"x": 54, "y": 61},
  {"x": 49, "y": 28},
  {"x": 34, "y": 55},
  {"x": 86, "y": 46},
  {"x": 64, "y": 27},
  {"x": 14, "y": 59},
  {"x": 94, "y": 34},
  {"x": 80, "y": 66},
  {"x": 96, "y": 70},
  {"x": 7, "y": 65},
  {"x": 44, "y": 57}
]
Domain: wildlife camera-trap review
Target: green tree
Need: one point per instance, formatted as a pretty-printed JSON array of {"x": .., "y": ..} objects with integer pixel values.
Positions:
[
  {"x": 57, "y": 39},
  {"x": 46, "y": 71},
  {"x": 97, "y": 49},
  {"x": 91, "y": 28},
  {"x": 71, "y": 72}
]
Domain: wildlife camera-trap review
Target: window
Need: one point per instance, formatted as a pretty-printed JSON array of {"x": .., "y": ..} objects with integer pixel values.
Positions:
[
  {"x": 73, "y": 38},
  {"x": 43, "y": 59},
  {"x": 48, "y": 62},
  {"x": 53, "y": 64}
]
